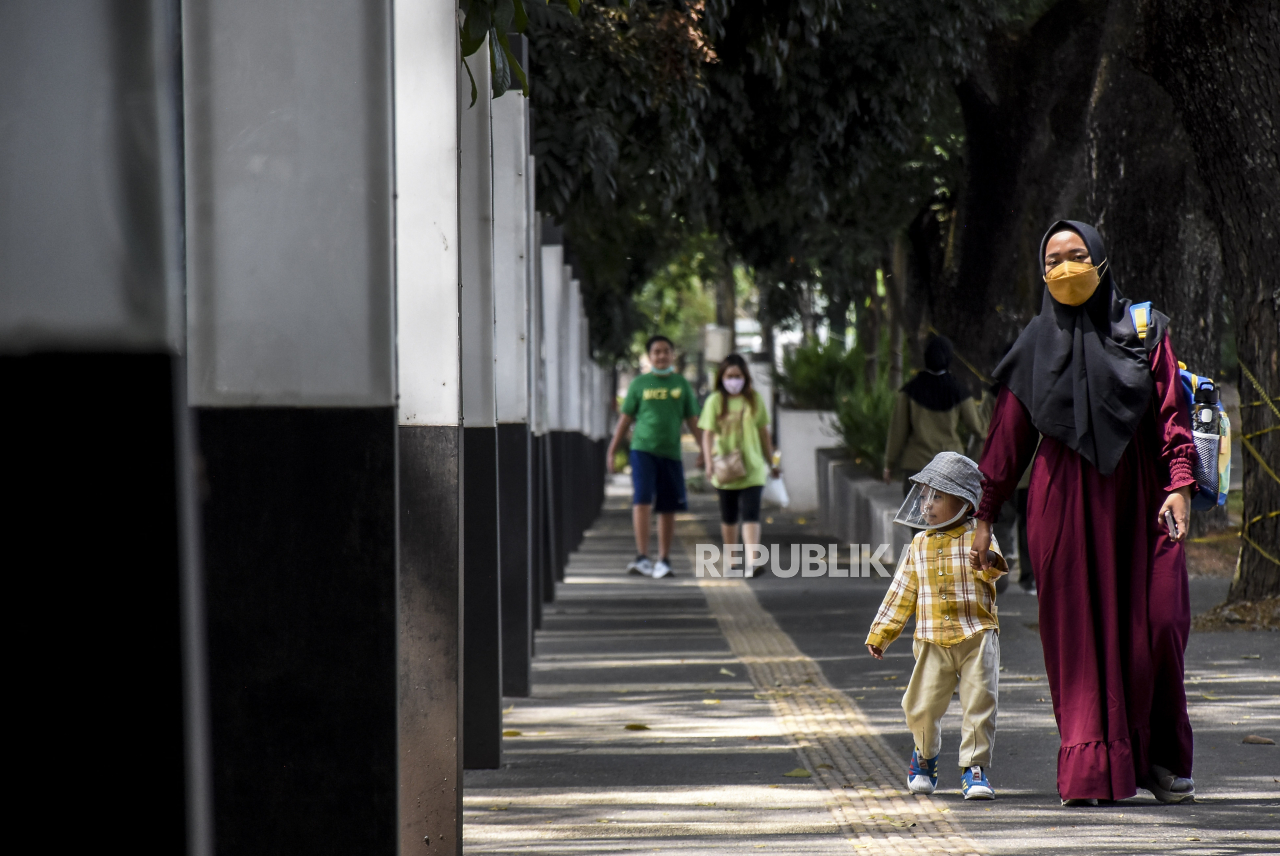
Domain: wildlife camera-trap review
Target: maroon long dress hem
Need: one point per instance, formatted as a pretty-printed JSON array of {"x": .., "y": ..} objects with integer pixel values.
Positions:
[{"x": 1114, "y": 609}]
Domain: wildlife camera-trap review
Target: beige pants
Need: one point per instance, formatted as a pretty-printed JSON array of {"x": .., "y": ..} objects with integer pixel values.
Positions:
[{"x": 975, "y": 665}]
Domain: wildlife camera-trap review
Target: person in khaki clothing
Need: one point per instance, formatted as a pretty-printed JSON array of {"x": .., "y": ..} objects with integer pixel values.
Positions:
[
  {"x": 927, "y": 414},
  {"x": 942, "y": 583}
]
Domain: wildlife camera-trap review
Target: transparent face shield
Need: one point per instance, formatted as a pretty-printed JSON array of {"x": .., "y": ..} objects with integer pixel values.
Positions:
[{"x": 929, "y": 508}]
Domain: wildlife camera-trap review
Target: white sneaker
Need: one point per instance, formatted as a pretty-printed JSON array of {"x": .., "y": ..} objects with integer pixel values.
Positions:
[
  {"x": 661, "y": 568},
  {"x": 644, "y": 567}
]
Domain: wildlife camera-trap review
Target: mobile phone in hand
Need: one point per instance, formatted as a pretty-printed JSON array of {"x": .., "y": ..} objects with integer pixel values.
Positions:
[{"x": 1170, "y": 524}]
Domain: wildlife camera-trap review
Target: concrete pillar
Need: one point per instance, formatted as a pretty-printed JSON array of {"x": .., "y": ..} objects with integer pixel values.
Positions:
[
  {"x": 537, "y": 394},
  {"x": 482, "y": 624},
  {"x": 289, "y": 205},
  {"x": 511, "y": 379},
  {"x": 103, "y": 581},
  {"x": 428, "y": 302},
  {"x": 573, "y": 497},
  {"x": 553, "y": 308}
]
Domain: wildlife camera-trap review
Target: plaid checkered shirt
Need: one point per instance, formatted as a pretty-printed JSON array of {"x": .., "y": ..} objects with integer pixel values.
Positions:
[{"x": 951, "y": 601}]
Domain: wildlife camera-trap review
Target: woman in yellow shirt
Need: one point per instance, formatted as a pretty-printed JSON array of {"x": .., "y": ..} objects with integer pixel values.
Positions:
[{"x": 737, "y": 450}]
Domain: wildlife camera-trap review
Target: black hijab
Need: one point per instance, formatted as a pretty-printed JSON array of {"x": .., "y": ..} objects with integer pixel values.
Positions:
[
  {"x": 1081, "y": 371},
  {"x": 936, "y": 388}
]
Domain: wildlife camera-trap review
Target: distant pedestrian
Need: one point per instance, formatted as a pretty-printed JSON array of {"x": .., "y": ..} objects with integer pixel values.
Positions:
[
  {"x": 737, "y": 453},
  {"x": 957, "y": 638},
  {"x": 927, "y": 414},
  {"x": 1114, "y": 464},
  {"x": 658, "y": 403}
]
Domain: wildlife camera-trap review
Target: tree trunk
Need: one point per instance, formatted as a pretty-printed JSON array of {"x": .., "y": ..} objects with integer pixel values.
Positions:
[
  {"x": 1147, "y": 199},
  {"x": 1220, "y": 63},
  {"x": 895, "y": 286},
  {"x": 727, "y": 307},
  {"x": 1025, "y": 111}
]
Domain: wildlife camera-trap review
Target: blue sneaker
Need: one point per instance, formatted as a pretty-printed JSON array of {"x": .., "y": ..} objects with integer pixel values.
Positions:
[
  {"x": 922, "y": 774},
  {"x": 974, "y": 785}
]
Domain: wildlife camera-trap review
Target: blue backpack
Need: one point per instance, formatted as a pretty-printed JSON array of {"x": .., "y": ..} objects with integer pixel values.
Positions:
[{"x": 1210, "y": 427}]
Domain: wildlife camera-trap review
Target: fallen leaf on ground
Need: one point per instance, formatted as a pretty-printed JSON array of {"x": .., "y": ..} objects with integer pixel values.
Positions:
[
  {"x": 724, "y": 671},
  {"x": 509, "y": 709},
  {"x": 799, "y": 773},
  {"x": 498, "y": 808},
  {"x": 511, "y": 733},
  {"x": 1251, "y": 657},
  {"x": 636, "y": 726},
  {"x": 711, "y": 701},
  {"x": 825, "y": 767},
  {"x": 1210, "y": 696},
  {"x": 755, "y": 738},
  {"x": 1260, "y": 741}
]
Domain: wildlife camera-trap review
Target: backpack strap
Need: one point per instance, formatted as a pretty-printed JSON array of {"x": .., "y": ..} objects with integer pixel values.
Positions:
[{"x": 1140, "y": 315}]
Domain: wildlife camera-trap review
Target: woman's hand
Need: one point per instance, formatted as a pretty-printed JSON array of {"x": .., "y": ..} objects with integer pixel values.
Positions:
[
  {"x": 1179, "y": 502},
  {"x": 878, "y": 653},
  {"x": 776, "y": 472},
  {"x": 609, "y": 459},
  {"x": 981, "y": 544}
]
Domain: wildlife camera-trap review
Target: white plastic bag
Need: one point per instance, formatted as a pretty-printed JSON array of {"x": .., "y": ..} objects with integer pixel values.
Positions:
[{"x": 775, "y": 493}]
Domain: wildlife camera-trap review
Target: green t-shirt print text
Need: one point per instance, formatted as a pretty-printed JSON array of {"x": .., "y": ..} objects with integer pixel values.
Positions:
[{"x": 658, "y": 404}]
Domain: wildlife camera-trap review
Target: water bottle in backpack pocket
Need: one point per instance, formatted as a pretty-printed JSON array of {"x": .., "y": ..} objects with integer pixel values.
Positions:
[{"x": 1210, "y": 427}]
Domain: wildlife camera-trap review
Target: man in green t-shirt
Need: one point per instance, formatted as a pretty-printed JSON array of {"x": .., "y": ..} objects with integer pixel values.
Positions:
[{"x": 658, "y": 403}]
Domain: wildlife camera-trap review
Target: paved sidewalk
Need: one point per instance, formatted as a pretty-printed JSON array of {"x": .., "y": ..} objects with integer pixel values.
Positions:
[{"x": 666, "y": 714}]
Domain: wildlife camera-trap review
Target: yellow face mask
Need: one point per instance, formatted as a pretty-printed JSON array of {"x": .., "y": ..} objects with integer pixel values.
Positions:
[{"x": 1072, "y": 283}]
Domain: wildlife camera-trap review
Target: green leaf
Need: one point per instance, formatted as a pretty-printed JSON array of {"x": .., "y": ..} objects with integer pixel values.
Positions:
[
  {"x": 521, "y": 19},
  {"x": 474, "y": 94},
  {"x": 575, "y": 6},
  {"x": 515, "y": 65},
  {"x": 498, "y": 65},
  {"x": 503, "y": 12},
  {"x": 475, "y": 27}
]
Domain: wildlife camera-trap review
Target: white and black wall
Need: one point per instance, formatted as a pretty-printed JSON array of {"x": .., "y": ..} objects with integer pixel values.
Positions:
[
  {"x": 429, "y": 343},
  {"x": 511, "y": 264},
  {"x": 290, "y": 309},
  {"x": 103, "y": 588}
]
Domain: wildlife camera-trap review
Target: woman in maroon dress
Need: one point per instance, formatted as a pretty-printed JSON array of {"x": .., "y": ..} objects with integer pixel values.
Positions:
[{"x": 1116, "y": 454}]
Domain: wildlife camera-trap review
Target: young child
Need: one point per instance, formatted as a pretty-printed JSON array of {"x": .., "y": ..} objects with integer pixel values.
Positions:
[{"x": 957, "y": 635}]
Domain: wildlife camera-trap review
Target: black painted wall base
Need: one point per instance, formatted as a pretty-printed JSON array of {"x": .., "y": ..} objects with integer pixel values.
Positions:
[
  {"x": 513, "y": 519},
  {"x": 550, "y": 520},
  {"x": 430, "y": 639},
  {"x": 537, "y": 537},
  {"x": 299, "y": 532},
  {"x": 92, "y": 559},
  {"x": 482, "y": 608}
]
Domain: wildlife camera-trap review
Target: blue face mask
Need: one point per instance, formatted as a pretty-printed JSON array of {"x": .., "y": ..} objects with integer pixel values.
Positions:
[{"x": 667, "y": 370}]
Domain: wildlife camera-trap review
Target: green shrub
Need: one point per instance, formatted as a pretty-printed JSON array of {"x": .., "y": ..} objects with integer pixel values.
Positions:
[
  {"x": 863, "y": 411},
  {"x": 813, "y": 373}
]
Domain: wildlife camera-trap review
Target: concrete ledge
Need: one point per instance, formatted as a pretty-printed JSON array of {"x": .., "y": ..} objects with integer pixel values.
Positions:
[{"x": 856, "y": 508}]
